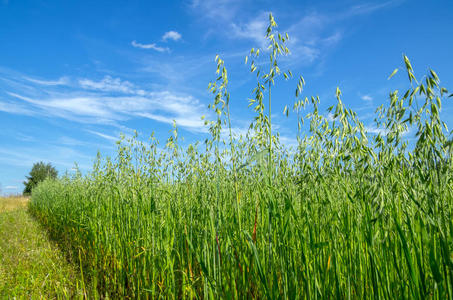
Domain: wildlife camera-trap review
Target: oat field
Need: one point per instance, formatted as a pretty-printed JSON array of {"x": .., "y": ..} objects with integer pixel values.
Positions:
[{"x": 347, "y": 214}]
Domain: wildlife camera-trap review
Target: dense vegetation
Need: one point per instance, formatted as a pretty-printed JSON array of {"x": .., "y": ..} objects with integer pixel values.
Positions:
[{"x": 349, "y": 214}]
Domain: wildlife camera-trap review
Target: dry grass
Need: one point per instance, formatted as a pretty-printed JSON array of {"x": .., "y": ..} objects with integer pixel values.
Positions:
[{"x": 10, "y": 203}]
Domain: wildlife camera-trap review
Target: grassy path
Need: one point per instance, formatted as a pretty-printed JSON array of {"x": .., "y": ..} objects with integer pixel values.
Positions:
[{"x": 32, "y": 266}]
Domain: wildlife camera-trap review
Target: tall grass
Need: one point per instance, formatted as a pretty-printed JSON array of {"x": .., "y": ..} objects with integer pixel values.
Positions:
[{"x": 350, "y": 214}]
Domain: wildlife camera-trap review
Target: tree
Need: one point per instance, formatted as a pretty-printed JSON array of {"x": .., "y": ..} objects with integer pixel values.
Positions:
[{"x": 38, "y": 173}]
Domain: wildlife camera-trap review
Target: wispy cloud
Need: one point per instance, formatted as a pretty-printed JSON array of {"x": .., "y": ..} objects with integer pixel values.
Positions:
[
  {"x": 313, "y": 36},
  {"x": 329, "y": 117},
  {"x": 176, "y": 71},
  {"x": 253, "y": 30},
  {"x": 69, "y": 141},
  {"x": 312, "y": 33},
  {"x": 303, "y": 49},
  {"x": 60, "y": 81},
  {"x": 62, "y": 157},
  {"x": 191, "y": 121},
  {"x": 375, "y": 130},
  {"x": 309, "y": 35},
  {"x": 24, "y": 137},
  {"x": 108, "y": 84},
  {"x": 367, "y": 98},
  {"x": 383, "y": 131},
  {"x": 109, "y": 101},
  {"x": 171, "y": 35},
  {"x": 84, "y": 143},
  {"x": 366, "y": 8},
  {"x": 289, "y": 142},
  {"x": 332, "y": 39},
  {"x": 14, "y": 108},
  {"x": 152, "y": 46},
  {"x": 216, "y": 9},
  {"x": 11, "y": 187},
  {"x": 103, "y": 135},
  {"x": 65, "y": 105},
  {"x": 309, "y": 28}
]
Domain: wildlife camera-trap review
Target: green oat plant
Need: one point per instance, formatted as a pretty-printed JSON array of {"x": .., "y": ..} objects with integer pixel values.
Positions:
[{"x": 349, "y": 214}]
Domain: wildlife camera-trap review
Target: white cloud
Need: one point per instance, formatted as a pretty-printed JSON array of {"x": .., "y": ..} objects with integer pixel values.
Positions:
[
  {"x": 240, "y": 131},
  {"x": 150, "y": 46},
  {"x": 98, "y": 108},
  {"x": 171, "y": 35},
  {"x": 107, "y": 84},
  {"x": 178, "y": 70},
  {"x": 24, "y": 137},
  {"x": 61, "y": 157},
  {"x": 103, "y": 135},
  {"x": 373, "y": 129},
  {"x": 60, "y": 81},
  {"x": 366, "y": 98},
  {"x": 367, "y": 8},
  {"x": 254, "y": 30},
  {"x": 307, "y": 39},
  {"x": 60, "y": 106},
  {"x": 188, "y": 121},
  {"x": 217, "y": 9},
  {"x": 329, "y": 117},
  {"x": 11, "y": 187},
  {"x": 311, "y": 36},
  {"x": 288, "y": 142},
  {"x": 333, "y": 39},
  {"x": 314, "y": 32},
  {"x": 15, "y": 109},
  {"x": 309, "y": 29},
  {"x": 66, "y": 140}
]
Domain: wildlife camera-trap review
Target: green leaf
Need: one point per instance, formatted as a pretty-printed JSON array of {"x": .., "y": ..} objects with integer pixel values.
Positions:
[
  {"x": 434, "y": 266},
  {"x": 258, "y": 262},
  {"x": 408, "y": 257}
]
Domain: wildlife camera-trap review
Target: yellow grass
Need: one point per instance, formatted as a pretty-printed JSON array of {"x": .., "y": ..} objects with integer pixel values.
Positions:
[{"x": 10, "y": 203}]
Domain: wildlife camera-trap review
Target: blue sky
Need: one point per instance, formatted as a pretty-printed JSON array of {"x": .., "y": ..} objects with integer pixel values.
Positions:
[{"x": 76, "y": 74}]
